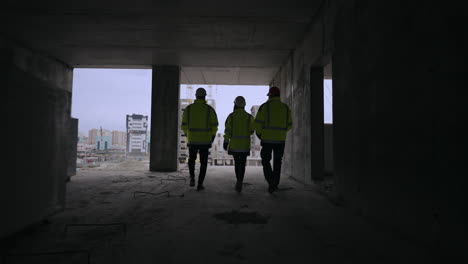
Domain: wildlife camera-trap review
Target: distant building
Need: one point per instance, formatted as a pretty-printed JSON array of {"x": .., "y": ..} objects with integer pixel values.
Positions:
[
  {"x": 82, "y": 138},
  {"x": 92, "y": 136},
  {"x": 104, "y": 139},
  {"x": 119, "y": 138},
  {"x": 183, "y": 149},
  {"x": 83, "y": 147},
  {"x": 137, "y": 129},
  {"x": 118, "y": 148}
]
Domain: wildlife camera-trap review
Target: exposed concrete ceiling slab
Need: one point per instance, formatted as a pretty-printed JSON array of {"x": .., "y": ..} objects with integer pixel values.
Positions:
[
  {"x": 240, "y": 43},
  {"x": 227, "y": 75}
]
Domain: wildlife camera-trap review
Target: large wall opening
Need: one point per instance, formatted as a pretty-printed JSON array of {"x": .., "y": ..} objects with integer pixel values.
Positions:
[{"x": 113, "y": 109}]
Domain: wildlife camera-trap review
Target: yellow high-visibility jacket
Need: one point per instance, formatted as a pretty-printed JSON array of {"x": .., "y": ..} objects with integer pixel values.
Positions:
[
  {"x": 199, "y": 123},
  {"x": 273, "y": 121},
  {"x": 238, "y": 127}
]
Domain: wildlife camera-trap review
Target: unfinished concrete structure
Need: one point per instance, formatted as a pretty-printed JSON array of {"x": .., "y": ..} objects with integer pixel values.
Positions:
[{"x": 396, "y": 67}]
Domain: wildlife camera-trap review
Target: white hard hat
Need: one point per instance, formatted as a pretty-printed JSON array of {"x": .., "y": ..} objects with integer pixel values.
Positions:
[
  {"x": 200, "y": 92},
  {"x": 239, "y": 101}
]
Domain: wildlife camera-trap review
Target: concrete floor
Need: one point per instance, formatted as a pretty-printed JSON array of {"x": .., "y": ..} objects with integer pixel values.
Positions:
[{"x": 216, "y": 225}]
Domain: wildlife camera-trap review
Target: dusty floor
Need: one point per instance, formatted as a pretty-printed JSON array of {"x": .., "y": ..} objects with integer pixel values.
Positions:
[{"x": 216, "y": 225}]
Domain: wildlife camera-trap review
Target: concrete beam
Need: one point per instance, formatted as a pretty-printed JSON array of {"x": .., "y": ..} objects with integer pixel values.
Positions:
[{"x": 164, "y": 118}]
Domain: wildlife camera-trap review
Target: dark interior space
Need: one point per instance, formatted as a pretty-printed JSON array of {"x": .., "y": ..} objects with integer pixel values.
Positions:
[{"x": 398, "y": 185}]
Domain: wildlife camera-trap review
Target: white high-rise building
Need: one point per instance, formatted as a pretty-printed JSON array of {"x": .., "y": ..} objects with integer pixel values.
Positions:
[
  {"x": 92, "y": 136},
  {"x": 137, "y": 126}
]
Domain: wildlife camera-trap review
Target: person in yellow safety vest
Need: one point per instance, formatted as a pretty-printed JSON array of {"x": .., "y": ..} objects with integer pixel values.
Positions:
[
  {"x": 200, "y": 124},
  {"x": 272, "y": 122},
  {"x": 239, "y": 126}
]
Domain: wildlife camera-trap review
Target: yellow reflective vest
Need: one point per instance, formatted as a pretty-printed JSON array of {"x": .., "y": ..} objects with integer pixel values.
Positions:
[
  {"x": 238, "y": 127},
  {"x": 273, "y": 121},
  {"x": 199, "y": 123}
]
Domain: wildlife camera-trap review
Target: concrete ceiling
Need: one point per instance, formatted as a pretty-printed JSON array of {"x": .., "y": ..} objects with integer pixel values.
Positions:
[{"x": 215, "y": 42}]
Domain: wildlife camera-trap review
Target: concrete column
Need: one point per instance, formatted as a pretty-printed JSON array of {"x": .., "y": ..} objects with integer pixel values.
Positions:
[
  {"x": 316, "y": 123},
  {"x": 164, "y": 118}
]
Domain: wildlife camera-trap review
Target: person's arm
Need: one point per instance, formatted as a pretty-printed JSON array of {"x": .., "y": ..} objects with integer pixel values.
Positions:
[
  {"x": 227, "y": 129},
  {"x": 227, "y": 132},
  {"x": 259, "y": 122},
  {"x": 213, "y": 123},
  {"x": 289, "y": 119},
  {"x": 184, "y": 124}
]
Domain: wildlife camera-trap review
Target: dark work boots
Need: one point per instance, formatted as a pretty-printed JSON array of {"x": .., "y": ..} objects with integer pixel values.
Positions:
[{"x": 238, "y": 186}]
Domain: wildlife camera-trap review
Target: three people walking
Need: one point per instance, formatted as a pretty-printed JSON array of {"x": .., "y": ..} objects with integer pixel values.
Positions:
[{"x": 271, "y": 124}]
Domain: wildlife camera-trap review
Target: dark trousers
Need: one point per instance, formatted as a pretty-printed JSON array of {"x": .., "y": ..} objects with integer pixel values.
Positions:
[
  {"x": 193, "y": 150},
  {"x": 240, "y": 160},
  {"x": 272, "y": 176}
]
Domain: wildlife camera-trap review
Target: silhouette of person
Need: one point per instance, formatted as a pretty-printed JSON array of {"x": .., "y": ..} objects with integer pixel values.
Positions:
[
  {"x": 238, "y": 128},
  {"x": 200, "y": 124},
  {"x": 272, "y": 123}
]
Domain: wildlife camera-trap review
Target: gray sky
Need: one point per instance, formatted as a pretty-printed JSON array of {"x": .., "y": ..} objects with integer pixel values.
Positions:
[{"x": 103, "y": 97}]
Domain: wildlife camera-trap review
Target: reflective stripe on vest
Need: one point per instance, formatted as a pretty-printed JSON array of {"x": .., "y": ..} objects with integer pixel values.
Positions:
[{"x": 276, "y": 128}]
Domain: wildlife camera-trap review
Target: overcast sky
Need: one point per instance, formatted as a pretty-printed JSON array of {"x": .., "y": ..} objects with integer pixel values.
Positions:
[{"x": 103, "y": 97}]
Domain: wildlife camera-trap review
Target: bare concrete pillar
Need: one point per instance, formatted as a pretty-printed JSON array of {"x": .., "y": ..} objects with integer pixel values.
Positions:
[
  {"x": 316, "y": 123},
  {"x": 164, "y": 118}
]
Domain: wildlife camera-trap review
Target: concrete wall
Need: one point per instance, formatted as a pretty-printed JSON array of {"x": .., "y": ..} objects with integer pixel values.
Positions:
[
  {"x": 294, "y": 80},
  {"x": 396, "y": 70},
  {"x": 72, "y": 144},
  {"x": 37, "y": 91},
  {"x": 328, "y": 148}
]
